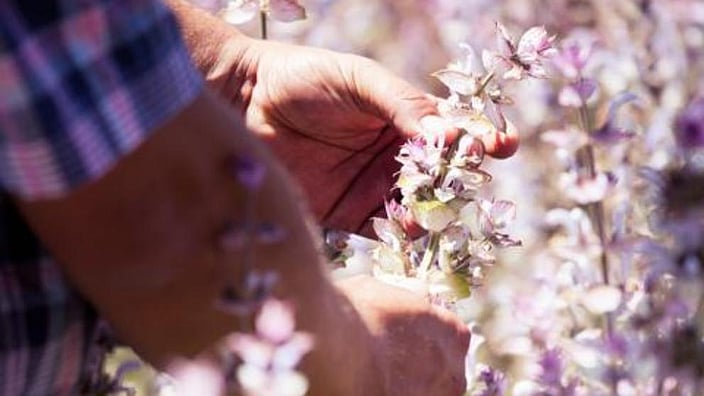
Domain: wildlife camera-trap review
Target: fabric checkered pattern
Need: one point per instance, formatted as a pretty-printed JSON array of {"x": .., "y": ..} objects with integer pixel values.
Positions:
[{"x": 82, "y": 83}]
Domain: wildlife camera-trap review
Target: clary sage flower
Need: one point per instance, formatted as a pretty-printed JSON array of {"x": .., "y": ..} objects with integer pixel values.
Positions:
[{"x": 241, "y": 11}]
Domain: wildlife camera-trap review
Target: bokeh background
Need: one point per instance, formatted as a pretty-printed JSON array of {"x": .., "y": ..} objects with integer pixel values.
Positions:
[{"x": 544, "y": 322}]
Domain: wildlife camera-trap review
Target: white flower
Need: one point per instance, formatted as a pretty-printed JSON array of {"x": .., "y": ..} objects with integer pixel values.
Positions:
[
  {"x": 521, "y": 59},
  {"x": 584, "y": 189},
  {"x": 601, "y": 299},
  {"x": 195, "y": 378},
  {"x": 270, "y": 355},
  {"x": 241, "y": 11}
]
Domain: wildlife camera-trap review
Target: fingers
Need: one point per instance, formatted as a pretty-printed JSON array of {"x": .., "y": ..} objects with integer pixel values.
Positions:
[
  {"x": 502, "y": 144},
  {"x": 438, "y": 125},
  {"x": 393, "y": 99},
  {"x": 410, "y": 111}
]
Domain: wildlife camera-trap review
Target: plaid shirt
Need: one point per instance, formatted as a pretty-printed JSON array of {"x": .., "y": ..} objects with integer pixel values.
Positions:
[{"x": 82, "y": 83}]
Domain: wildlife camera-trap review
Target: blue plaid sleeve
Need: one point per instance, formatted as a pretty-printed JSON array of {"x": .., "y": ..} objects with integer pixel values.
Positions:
[{"x": 83, "y": 82}]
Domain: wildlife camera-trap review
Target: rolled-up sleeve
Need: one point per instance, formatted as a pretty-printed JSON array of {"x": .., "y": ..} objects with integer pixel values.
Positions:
[{"x": 82, "y": 83}]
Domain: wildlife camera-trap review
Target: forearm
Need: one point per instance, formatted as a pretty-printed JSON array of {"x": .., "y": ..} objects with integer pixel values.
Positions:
[{"x": 141, "y": 244}]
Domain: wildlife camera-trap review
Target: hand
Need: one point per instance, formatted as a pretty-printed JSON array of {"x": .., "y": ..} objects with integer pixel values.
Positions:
[
  {"x": 419, "y": 349},
  {"x": 336, "y": 121}
]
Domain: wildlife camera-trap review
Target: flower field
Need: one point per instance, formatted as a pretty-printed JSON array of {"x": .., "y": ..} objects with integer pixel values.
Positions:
[{"x": 578, "y": 262}]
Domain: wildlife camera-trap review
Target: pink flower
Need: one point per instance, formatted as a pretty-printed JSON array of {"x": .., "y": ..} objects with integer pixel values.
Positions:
[
  {"x": 269, "y": 356},
  {"x": 584, "y": 189},
  {"x": 573, "y": 58},
  {"x": 522, "y": 58},
  {"x": 611, "y": 131},
  {"x": 242, "y": 11},
  {"x": 462, "y": 77},
  {"x": 578, "y": 93},
  {"x": 689, "y": 127},
  {"x": 196, "y": 378}
]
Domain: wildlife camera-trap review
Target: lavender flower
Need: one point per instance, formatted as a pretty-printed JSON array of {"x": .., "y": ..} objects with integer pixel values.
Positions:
[
  {"x": 241, "y": 11},
  {"x": 494, "y": 383},
  {"x": 572, "y": 58},
  {"x": 523, "y": 58},
  {"x": 577, "y": 94},
  {"x": 248, "y": 171},
  {"x": 270, "y": 355},
  {"x": 194, "y": 378},
  {"x": 689, "y": 127}
]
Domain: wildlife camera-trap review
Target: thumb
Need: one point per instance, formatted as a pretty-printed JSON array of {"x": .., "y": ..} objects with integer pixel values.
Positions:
[
  {"x": 411, "y": 111},
  {"x": 389, "y": 97}
]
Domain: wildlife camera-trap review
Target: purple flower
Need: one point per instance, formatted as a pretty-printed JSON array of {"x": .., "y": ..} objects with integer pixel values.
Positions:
[
  {"x": 573, "y": 58},
  {"x": 495, "y": 215},
  {"x": 578, "y": 93},
  {"x": 270, "y": 233},
  {"x": 689, "y": 127},
  {"x": 494, "y": 382},
  {"x": 195, "y": 378},
  {"x": 270, "y": 355},
  {"x": 611, "y": 131},
  {"x": 585, "y": 189},
  {"x": 242, "y": 11},
  {"x": 551, "y": 365},
  {"x": 522, "y": 58},
  {"x": 247, "y": 298},
  {"x": 248, "y": 171},
  {"x": 233, "y": 237}
]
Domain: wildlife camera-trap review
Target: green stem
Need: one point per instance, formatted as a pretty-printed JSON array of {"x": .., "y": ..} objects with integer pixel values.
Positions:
[
  {"x": 585, "y": 158},
  {"x": 484, "y": 83},
  {"x": 451, "y": 151},
  {"x": 430, "y": 252},
  {"x": 587, "y": 164},
  {"x": 263, "y": 24}
]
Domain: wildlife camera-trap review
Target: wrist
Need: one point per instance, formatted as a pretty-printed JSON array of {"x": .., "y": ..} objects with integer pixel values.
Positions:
[
  {"x": 344, "y": 361},
  {"x": 221, "y": 52}
]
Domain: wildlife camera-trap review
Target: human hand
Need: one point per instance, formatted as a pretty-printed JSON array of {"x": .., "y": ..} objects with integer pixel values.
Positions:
[
  {"x": 419, "y": 349},
  {"x": 336, "y": 121}
]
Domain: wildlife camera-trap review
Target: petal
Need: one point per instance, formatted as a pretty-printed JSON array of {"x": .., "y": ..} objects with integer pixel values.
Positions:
[
  {"x": 196, "y": 378},
  {"x": 240, "y": 11},
  {"x": 253, "y": 379},
  {"x": 570, "y": 139},
  {"x": 578, "y": 93},
  {"x": 602, "y": 299},
  {"x": 248, "y": 170},
  {"x": 533, "y": 39},
  {"x": 287, "y": 10},
  {"x": 433, "y": 215},
  {"x": 252, "y": 350},
  {"x": 389, "y": 232},
  {"x": 275, "y": 322},
  {"x": 290, "y": 353},
  {"x": 288, "y": 383},
  {"x": 504, "y": 240},
  {"x": 489, "y": 59},
  {"x": 584, "y": 189},
  {"x": 470, "y": 152},
  {"x": 586, "y": 87},
  {"x": 569, "y": 97},
  {"x": 457, "y": 81},
  {"x": 515, "y": 72},
  {"x": 504, "y": 41},
  {"x": 502, "y": 213}
]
